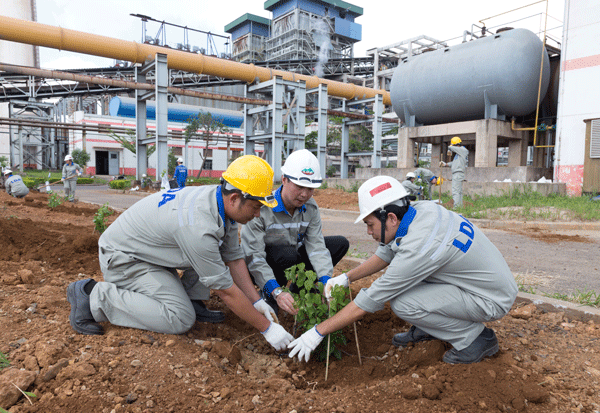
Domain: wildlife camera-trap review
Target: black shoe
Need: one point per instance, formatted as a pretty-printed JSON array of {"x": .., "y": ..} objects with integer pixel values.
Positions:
[
  {"x": 414, "y": 335},
  {"x": 81, "y": 317},
  {"x": 204, "y": 315},
  {"x": 485, "y": 345}
]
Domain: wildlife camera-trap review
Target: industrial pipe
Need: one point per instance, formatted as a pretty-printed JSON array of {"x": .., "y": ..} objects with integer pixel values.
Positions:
[
  {"x": 37, "y": 34},
  {"x": 97, "y": 80}
]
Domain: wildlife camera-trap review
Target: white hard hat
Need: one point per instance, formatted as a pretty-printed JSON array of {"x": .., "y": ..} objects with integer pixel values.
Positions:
[
  {"x": 68, "y": 158},
  {"x": 144, "y": 175},
  {"x": 410, "y": 175},
  {"x": 7, "y": 171},
  {"x": 378, "y": 192},
  {"x": 302, "y": 168},
  {"x": 179, "y": 160}
]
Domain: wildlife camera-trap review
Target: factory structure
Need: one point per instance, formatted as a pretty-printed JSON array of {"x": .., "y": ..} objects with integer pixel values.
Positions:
[{"x": 523, "y": 103}]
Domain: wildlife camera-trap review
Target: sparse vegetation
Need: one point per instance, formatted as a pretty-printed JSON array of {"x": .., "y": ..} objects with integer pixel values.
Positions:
[
  {"x": 55, "y": 200},
  {"x": 3, "y": 361},
  {"x": 101, "y": 217}
]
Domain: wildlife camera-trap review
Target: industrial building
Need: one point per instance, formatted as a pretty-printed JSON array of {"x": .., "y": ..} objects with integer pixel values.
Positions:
[{"x": 525, "y": 111}]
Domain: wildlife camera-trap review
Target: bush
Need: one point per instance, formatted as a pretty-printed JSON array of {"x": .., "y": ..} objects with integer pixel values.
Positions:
[
  {"x": 85, "y": 181},
  {"x": 313, "y": 308},
  {"x": 80, "y": 157},
  {"x": 33, "y": 182},
  {"x": 203, "y": 181},
  {"x": 119, "y": 184},
  {"x": 55, "y": 200}
]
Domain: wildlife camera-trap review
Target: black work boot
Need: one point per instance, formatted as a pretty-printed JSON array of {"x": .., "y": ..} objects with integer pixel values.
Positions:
[
  {"x": 81, "y": 317},
  {"x": 204, "y": 315},
  {"x": 413, "y": 335},
  {"x": 485, "y": 345}
]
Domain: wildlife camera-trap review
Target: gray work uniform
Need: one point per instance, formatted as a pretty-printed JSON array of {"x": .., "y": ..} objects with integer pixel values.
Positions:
[
  {"x": 445, "y": 276},
  {"x": 425, "y": 175},
  {"x": 458, "y": 167},
  {"x": 16, "y": 187},
  {"x": 277, "y": 227},
  {"x": 412, "y": 189},
  {"x": 183, "y": 228},
  {"x": 70, "y": 171}
]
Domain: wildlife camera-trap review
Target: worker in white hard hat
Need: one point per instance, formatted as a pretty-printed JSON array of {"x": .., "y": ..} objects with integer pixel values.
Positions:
[
  {"x": 193, "y": 230},
  {"x": 291, "y": 233},
  {"x": 410, "y": 186},
  {"x": 145, "y": 181},
  {"x": 70, "y": 172},
  {"x": 181, "y": 173},
  {"x": 428, "y": 177},
  {"x": 458, "y": 166},
  {"x": 14, "y": 184},
  {"x": 444, "y": 276}
]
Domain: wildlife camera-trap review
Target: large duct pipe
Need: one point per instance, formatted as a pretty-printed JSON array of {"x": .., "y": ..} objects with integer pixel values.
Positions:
[{"x": 22, "y": 31}]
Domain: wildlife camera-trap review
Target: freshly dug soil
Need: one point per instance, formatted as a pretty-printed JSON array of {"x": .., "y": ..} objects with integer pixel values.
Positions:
[{"x": 547, "y": 362}]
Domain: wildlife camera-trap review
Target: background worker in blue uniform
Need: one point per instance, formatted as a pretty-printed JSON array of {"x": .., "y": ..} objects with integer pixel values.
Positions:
[
  {"x": 444, "y": 276},
  {"x": 458, "y": 166},
  {"x": 291, "y": 233},
  {"x": 189, "y": 229},
  {"x": 181, "y": 173}
]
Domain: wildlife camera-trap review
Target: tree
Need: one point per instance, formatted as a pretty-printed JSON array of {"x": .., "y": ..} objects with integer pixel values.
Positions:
[
  {"x": 361, "y": 139},
  {"x": 128, "y": 142},
  {"x": 80, "y": 157},
  {"x": 206, "y": 127}
]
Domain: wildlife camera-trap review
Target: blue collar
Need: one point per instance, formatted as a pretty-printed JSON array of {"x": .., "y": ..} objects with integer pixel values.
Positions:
[
  {"x": 221, "y": 206},
  {"x": 280, "y": 207},
  {"x": 407, "y": 219}
]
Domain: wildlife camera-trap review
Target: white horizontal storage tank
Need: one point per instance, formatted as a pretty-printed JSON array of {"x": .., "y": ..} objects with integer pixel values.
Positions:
[
  {"x": 454, "y": 84},
  {"x": 19, "y": 53}
]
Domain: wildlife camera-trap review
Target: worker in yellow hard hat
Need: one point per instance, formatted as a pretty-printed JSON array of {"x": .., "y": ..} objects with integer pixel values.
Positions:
[
  {"x": 161, "y": 258},
  {"x": 458, "y": 167}
]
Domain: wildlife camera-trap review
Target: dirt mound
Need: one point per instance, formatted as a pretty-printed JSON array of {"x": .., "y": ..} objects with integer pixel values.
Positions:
[{"x": 546, "y": 363}]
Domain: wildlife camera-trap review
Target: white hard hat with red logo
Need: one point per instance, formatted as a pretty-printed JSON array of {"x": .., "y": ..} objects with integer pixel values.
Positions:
[
  {"x": 302, "y": 168},
  {"x": 68, "y": 158},
  {"x": 378, "y": 192}
]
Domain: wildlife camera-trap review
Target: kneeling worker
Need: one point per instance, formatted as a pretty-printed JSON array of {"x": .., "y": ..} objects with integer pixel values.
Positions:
[
  {"x": 291, "y": 233},
  {"x": 191, "y": 229},
  {"x": 444, "y": 276},
  {"x": 14, "y": 185}
]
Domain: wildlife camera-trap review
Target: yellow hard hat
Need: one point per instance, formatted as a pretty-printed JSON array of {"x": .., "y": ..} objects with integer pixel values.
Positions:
[
  {"x": 455, "y": 141},
  {"x": 439, "y": 181},
  {"x": 254, "y": 177}
]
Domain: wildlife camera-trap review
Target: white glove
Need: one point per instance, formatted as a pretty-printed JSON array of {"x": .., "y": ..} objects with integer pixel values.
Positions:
[
  {"x": 266, "y": 310},
  {"x": 305, "y": 344},
  {"x": 79, "y": 174},
  {"x": 442, "y": 163},
  {"x": 277, "y": 336},
  {"x": 332, "y": 282}
]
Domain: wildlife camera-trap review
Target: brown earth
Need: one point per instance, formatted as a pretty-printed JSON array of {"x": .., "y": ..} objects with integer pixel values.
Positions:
[{"x": 547, "y": 361}]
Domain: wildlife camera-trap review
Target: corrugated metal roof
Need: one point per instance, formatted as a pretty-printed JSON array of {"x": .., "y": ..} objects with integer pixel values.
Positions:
[{"x": 247, "y": 17}]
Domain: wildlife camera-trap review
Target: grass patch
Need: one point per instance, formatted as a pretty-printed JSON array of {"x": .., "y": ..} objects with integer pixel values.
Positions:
[
  {"x": 3, "y": 361},
  {"x": 529, "y": 205}
]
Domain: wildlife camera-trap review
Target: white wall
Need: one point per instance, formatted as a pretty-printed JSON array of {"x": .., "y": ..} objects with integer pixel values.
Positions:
[
  {"x": 11, "y": 52},
  {"x": 579, "y": 91}
]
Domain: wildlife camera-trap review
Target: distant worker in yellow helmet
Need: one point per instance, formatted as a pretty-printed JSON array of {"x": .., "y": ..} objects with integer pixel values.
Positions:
[
  {"x": 194, "y": 230},
  {"x": 458, "y": 167}
]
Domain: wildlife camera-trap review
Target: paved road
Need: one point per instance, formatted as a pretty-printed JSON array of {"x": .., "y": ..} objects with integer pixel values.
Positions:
[{"x": 564, "y": 266}]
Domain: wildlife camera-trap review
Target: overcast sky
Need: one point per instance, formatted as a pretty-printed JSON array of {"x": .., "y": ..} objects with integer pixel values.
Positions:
[{"x": 384, "y": 22}]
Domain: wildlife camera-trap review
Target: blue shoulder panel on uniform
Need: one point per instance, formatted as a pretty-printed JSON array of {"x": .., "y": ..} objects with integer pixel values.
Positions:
[
  {"x": 221, "y": 206},
  {"x": 407, "y": 219},
  {"x": 280, "y": 207}
]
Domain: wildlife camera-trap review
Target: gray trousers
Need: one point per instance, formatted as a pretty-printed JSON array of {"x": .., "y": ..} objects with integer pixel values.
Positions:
[
  {"x": 146, "y": 296},
  {"x": 69, "y": 186},
  {"x": 446, "y": 312},
  {"x": 457, "y": 192}
]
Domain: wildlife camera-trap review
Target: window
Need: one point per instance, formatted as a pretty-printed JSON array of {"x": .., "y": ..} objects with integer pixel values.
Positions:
[
  {"x": 208, "y": 165},
  {"x": 177, "y": 150}
]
